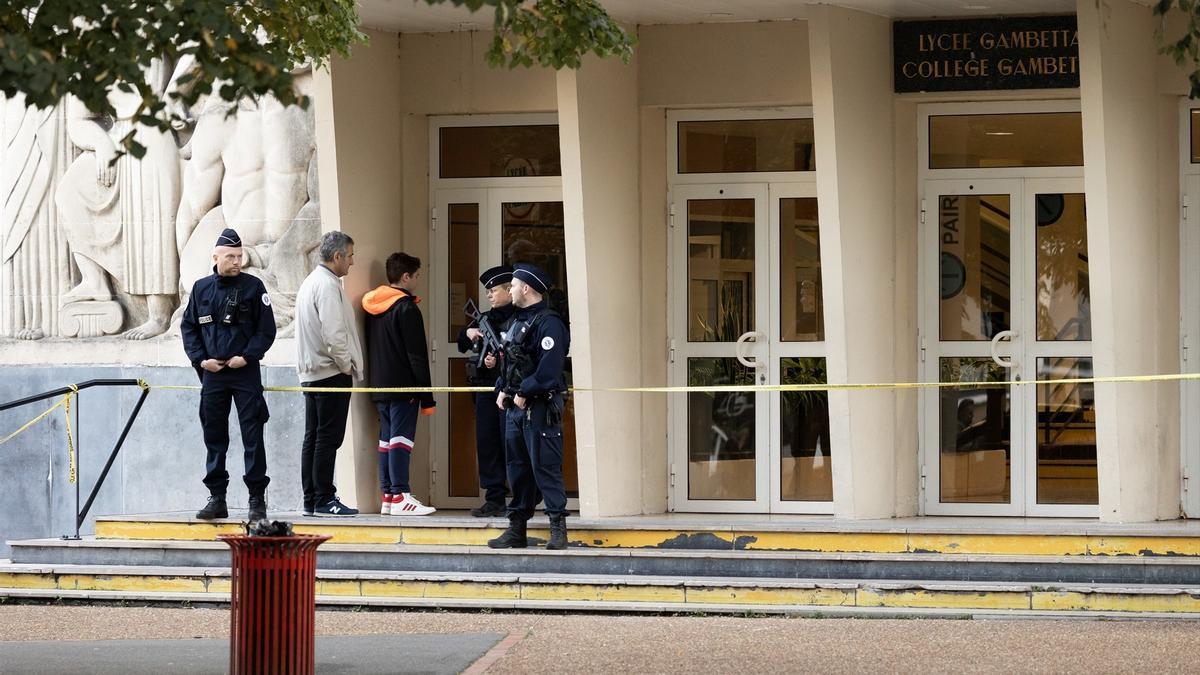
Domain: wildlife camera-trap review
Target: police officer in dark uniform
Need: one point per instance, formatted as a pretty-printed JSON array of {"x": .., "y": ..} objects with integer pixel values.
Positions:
[
  {"x": 227, "y": 328},
  {"x": 530, "y": 390},
  {"x": 483, "y": 369}
]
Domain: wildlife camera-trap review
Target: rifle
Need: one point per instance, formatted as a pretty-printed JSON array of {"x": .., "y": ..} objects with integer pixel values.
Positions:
[{"x": 490, "y": 343}]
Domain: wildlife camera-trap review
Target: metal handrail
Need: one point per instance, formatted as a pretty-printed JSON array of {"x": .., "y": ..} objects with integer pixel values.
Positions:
[{"x": 81, "y": 515}]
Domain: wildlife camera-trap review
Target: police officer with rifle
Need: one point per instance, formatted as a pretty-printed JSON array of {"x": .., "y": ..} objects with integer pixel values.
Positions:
[
  {"x": 481, "y": 338},
  {"x": 530, "y": 390}
]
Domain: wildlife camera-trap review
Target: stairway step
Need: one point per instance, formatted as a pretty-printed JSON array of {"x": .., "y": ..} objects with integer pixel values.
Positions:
[
  {"x": 645, "y": 562},
  {"x": 672, "y": 593},
  {"x": 817, "y": 535}
]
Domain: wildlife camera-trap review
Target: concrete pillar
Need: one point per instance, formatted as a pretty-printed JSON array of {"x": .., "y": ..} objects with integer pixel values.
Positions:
[
  {"x": 852, "y": 109},
  {"x": 598, "y": 137},
  {"x": 1131, "y": 333},
  {"x": 359, "y": 166}
]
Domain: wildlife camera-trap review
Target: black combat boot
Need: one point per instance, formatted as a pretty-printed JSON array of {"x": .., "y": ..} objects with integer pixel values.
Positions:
[
  {"x": 558, "y": 533},
  {"x": 215, "y": 508},
  {"x": 514, "y": 536},
  {"x": 258, "y": 508}
]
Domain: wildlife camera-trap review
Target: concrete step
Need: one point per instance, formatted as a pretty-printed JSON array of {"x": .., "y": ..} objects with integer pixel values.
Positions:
[
  {"x": 695, "y": 563},
  {"x": 828, "y": 536},
  {"x": 604, "y": 592}
]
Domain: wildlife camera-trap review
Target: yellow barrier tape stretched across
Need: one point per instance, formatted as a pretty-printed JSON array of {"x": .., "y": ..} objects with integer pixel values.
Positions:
[
  {"x": 1173, "y": 377},
  {"x": 65, "y": 404}
]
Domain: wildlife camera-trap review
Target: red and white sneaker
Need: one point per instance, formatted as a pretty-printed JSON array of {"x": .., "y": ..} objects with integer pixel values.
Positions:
[
  {"x": 385, "y": 508},
  {"x": 407, "y": 505}
]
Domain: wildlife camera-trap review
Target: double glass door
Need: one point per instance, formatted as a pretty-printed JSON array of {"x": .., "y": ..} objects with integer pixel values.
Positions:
[
  {"x": 475, "y": 229},
  {"x": 1005, "y": 298},
  {"x": 747, "y": 309}
]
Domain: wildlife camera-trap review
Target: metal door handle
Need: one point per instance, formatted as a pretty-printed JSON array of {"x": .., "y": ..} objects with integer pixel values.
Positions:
[
  {"x": 750, "y": 336},
  {"x": 1002, "y": 335}
]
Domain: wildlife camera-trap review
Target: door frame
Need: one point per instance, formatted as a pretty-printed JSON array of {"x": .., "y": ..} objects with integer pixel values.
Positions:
[
  {"x": 1028, "y": 181},
  {"x": 932, "y": 347},
  {"x": 783, "y": 184},
  {"x": 489, "y": 193},
  {"x": 1189, "y": 297}
]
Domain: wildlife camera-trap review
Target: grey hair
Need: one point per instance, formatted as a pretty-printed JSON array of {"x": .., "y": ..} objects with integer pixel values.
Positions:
[{"x": 334, "y": 242}]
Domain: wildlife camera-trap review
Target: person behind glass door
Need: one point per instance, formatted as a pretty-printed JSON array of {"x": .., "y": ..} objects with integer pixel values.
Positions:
[
  {"x": 489, "y": 424},
  {"x": 328, "y": 354},
  {"x": 399, "y": 357}
]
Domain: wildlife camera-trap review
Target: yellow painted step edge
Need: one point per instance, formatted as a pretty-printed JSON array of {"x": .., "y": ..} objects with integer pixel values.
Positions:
[
  {"x": 830, "y": 542},
  {"x": 1031, "y": 598}
]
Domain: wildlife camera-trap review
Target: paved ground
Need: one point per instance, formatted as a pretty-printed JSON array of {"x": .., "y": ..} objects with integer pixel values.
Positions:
[
  {"x": 447, "y": 654},
  {"x": 546, "y": 643}
]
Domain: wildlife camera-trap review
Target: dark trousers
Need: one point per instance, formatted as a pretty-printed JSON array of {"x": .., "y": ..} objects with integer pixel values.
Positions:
[
  {"x": 489, "y": 447},
  {"x": 324, "y": 429},
  {"x": 534, "y": 451},
  {"x": 243, "y": 387},
  {"x": 397, "y": 429}
]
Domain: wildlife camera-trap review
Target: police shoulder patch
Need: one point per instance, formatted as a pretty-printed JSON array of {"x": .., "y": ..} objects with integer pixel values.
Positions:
[
  {"x": 547, "y": 343},
  {"x": 266, "y": 300}
]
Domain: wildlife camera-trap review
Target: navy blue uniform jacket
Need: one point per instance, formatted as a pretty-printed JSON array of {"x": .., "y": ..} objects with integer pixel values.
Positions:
[
  {"x": 548, "y": 343},
  {"x": 206, "y": 336}
]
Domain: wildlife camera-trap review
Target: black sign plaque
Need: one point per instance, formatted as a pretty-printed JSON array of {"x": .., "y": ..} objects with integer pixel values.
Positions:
[{"x": 1030, "y": 52}]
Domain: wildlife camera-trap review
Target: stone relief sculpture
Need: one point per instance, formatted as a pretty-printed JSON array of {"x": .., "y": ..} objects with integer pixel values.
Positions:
[
  {"x": 35, "y": 266},
  {"x": 120, "y": 219},
  {"x": 254, "y": 172},
  {"x": 128, "y": 240}
]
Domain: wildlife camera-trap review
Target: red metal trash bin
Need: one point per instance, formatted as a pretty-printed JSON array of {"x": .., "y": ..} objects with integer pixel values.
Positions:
[{"x": 273, "y": 604}]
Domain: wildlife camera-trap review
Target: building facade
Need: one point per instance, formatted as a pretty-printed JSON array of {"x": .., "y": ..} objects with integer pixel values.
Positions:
[{"x": 788, "y": 195}]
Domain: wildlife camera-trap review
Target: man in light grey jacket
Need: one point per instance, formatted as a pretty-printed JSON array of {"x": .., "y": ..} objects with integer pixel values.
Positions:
[{"x": 328, "y": 355}]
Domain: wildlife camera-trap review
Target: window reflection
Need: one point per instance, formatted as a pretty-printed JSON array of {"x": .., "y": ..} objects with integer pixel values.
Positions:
[
  {"x": 805, "y": 460},
  {"x": 737, "y": 146},
  {"x": 975, "y": 433},
  {"x": 1063, "y": 299},
  {"x": 464, "y": 263},
  {"x": 721, "y": 427},
  {"x": 499, "y": 151},
  {"x": 1005, "y": 140},
  {"x": 1066, "y": 433},
  {"x": 802, "y": 309},
  {"x": 720, "y": 269},
  {"x": 973, "y": 241}
]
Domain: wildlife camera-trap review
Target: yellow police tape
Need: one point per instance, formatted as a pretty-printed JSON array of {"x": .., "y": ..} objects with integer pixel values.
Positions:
[
  {"x": 749, "y": 388},
  {"x": 65, "y": 404},
  {"x": 1173, "y": 377}
]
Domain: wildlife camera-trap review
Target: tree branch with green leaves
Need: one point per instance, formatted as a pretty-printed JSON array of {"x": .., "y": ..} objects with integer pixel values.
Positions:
[{"x": 236, "y": 49}]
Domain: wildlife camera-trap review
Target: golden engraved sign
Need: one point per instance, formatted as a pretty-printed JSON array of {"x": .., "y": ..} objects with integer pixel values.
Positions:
[{"x": 978, "y": 54}]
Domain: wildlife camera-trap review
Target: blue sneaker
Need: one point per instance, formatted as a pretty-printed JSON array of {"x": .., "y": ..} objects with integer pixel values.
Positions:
[{"x": 334, "y": 508}]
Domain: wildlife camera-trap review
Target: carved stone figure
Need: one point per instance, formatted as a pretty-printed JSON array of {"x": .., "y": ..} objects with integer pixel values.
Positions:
[
  {"x": 254, "y": 172},
  {"x": 120, "y": 218},
  {"x": 35, "y": 265}
]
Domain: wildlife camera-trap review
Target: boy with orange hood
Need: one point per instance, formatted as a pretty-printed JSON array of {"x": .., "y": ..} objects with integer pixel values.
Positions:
[{"x": 397, "y": 357}]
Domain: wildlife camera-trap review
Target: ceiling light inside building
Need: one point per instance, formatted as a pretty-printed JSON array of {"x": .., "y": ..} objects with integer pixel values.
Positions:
[{"x": 998, "y": 133}]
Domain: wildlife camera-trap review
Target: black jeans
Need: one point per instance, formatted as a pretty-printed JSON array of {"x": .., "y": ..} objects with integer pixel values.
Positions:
[
  {"x": 324, "y": 430},
  {"x": 242, "y": 386}
]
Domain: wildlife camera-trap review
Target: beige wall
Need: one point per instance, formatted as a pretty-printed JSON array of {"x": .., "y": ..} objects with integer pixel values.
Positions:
[
  {"x": 358, "y": 146},
  {"x": 722, "y": 65},
  {"x": 1129, "y": 230}
]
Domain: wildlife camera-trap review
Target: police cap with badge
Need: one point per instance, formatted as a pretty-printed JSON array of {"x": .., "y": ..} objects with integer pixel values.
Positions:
[{"x": 500, "y": 274}]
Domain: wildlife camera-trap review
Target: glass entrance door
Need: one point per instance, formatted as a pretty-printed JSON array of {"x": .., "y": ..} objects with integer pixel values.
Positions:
[
  {"x": 747, "y": 310},
  {"x": 476, "y": 229},
  {"x": 1005, "y": 298}
]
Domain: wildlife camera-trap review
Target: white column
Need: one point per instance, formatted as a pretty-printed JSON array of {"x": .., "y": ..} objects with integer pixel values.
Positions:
[
  {"x": 1132, "y": 332},
  {"x": 359, "y": 166},
  {"x": 852, "y": 109},
  {"x": 598, "y": 137}
]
